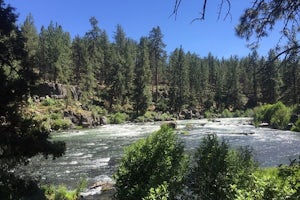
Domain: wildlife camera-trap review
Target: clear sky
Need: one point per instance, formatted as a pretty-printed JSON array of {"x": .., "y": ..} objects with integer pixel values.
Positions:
[{"x": 138, "y": 17}]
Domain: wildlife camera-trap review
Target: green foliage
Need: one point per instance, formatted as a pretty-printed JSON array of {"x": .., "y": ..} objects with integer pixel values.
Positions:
[
  {"x": 296, "y": 127},
  {"x": 97, "y": 111},
  {"x": 118, "y": 118},
  {"x": 226, "y": 113},
  {"x": 277, "y": 115},
  {"x": 49, "y": 102},
  {"x": 215, "y": 168},
  {"x": 61, "y": 192},
  {"x": 161, "y": 193},
  {"x": 274, "y": 183},
  {"x": 52, "y": 121},
  {"x": 157, "y": 162},
  {"x": 60, "y": 124}
]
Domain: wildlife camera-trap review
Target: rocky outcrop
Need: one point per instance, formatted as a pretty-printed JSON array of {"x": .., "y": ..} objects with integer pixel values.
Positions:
[
  {"x": 56, "y": 91},
  {"x": 85, "y": 120}
]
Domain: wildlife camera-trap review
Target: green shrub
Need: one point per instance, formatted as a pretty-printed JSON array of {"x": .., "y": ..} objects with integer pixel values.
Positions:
[
  {"x": 226, "y": 113},
  {"x": 272, "y": 183},
  {"x": 156, "y": 162},
  {"x": 59, "y": 124},
  {"x": 62, "y": 193},
  {"x": 97, "y": 111},
  {"x": 118, "y": 118},
  {"x": 277, "y": 115},
  {"x": 55, "y": 116},
  {"x": 215, "y": 168},
  {"x": 248, "y": 113},
  {"x": 161, "y": 193},
  {"x": 296, "y": 127},
  {"x": 48, "y": 102}
]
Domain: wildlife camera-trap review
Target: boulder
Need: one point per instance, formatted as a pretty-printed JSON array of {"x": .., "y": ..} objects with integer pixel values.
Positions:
[
  {"x": 103, "y": 120},
  {"x": 172, "y": 125},
  {"x": 56, "y": 91}
]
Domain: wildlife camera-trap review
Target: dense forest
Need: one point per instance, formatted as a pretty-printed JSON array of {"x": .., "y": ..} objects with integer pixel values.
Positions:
[{"x": 140, "y": 74}]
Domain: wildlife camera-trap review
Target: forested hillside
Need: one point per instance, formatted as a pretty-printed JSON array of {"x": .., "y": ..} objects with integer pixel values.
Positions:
[{"x": 132, "y": 76}]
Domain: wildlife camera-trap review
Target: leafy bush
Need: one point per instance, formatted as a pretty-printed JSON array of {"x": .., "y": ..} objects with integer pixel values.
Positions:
[
  {"x": 277, "y": 115},
  {"x": 274, "y": 183},
  {"x": 155, "y": 163},
  {"x": 118, "y": 118},
  {"x": 59, "y": 124},
  {"x": 296, "y": 127},
  {"x": 48, "y": 102},
  {"x": 226, "y": 113},
  {"x": 97, "y": 111},
  {"x": 161, "y": 193},
  {"x": 62, "y": 193},
  {"x": 215, "y": 168}
]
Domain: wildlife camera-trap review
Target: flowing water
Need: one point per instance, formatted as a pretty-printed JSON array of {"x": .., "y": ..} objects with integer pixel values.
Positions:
[{"x": 94, "y": 153}]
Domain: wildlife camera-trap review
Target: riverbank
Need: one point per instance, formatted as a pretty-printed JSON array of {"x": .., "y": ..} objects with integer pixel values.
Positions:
[{"x": 62, "y": 114}]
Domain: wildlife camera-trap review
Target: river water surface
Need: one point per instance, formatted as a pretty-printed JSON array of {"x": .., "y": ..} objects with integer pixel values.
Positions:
[{"x": 94, "y": 153}]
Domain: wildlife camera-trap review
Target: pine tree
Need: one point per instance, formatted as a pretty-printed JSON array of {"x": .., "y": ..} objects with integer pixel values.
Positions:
[
  {"x": 195, "y": 78},
  {"x": 179, "y": 80},
  {"x": 31, "y": 40},
  {"x": 95, "y": 51},
  {"x": 270, "y": 79},
  {"x": 78, "y": 59},
  {"x": 291, "y": 80},
  {"x": 142, "y": 80},
  {"x": 55, "y": 54},
  {"x": 234, "y": 97},
  {"x": 157, "y": 55},
  {"x": 121, "y": 69}
]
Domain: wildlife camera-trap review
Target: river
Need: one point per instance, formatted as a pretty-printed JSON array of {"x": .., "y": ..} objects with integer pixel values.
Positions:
[{"x": 94, "y": 153}]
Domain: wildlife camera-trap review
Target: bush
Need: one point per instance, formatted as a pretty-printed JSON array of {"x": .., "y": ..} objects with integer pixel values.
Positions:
[
  {"x": 48, "y": 102},
  {"x": 274, "y": 183},
  {"x": 277, "y": 115},
  {"x": 296, "y": 127},
  {"x": 59, "y": 124},
  {"x": 118, "y": 118},
  {"x": 157, "y": 163},
  {"x": 215, "y": 168},
  {"x": 62, "y": 193},
  {"x": 226, "y": 113},
  {"x": 161, "y": 193}
]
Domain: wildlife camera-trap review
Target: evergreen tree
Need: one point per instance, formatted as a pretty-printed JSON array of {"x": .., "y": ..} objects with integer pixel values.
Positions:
[
  {"x": 210, "y": 64},
  {"x": 291, "y": 79},
  {"x": 221, "y": 94},
  {"x": 195, "y": 78},
  {"x": 270, "y": 79},
  {"x": 179, "y": 80},
  {"x": 130, "y": 56},
  {"x": 55, "y": 54},
  {"x": 107, "y": 60},
  {"x": 249, "y": 78},
  {"x": 31, "y": 40},
  {"x": 157, "y": 55},
  {"x": 142, "y": 80},
  {"x": 118, "y": 88},
  {"x": 79, "y": 58},
  {"x": 95, "y": 51},
  {"x": 205, "y": 93}
]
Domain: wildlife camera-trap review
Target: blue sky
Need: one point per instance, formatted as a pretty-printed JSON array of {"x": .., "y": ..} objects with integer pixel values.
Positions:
[{"x": 138, "y": 17}]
